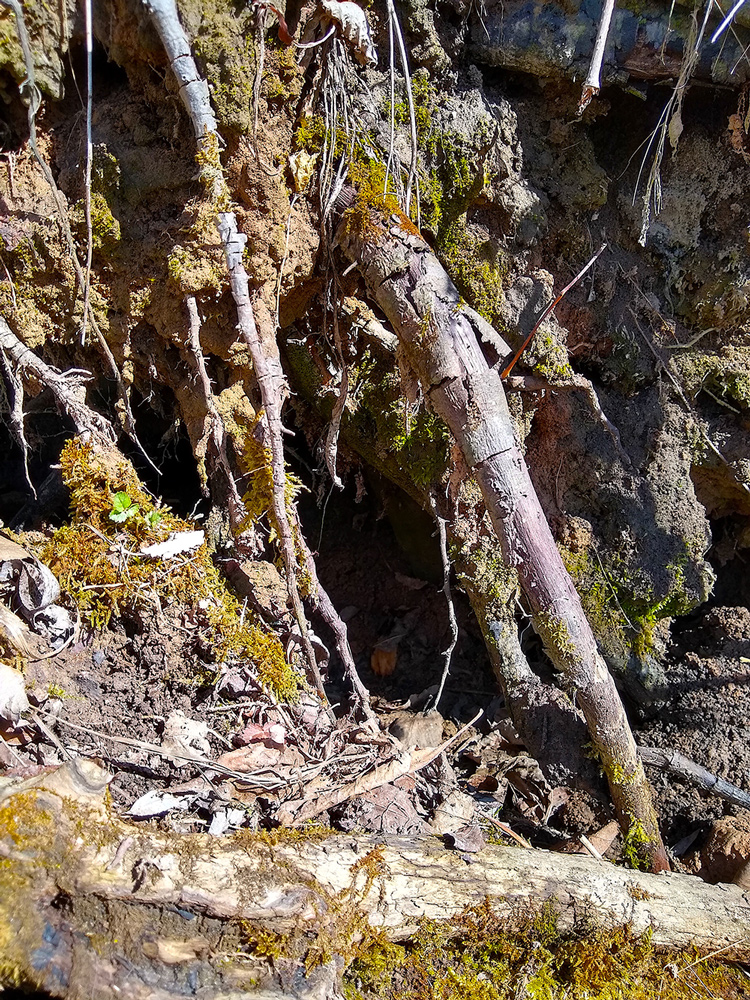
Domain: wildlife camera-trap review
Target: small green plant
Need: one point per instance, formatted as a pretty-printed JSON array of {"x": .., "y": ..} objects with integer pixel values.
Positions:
[
  {"x": 152, "y": 518},
  {"x": 123, "y": 508}
]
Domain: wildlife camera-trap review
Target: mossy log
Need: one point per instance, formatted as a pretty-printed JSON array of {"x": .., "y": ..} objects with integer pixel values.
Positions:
[{"x": 92, "y": 907}]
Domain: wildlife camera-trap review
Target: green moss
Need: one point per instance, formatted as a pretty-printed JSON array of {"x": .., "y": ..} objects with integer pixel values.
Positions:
[
  {"x": 556, "y": 637},
  {"x": 724, "y": 373},
  {"x": 375, "y": 192},
  {"x": 477, "y": 268},
  {"x": 620, "y": 612},
  {"x": 224, "y": 47},
  {"x": 635, "y": 846},
  {"x": 310, "y": 134},
  {"x": 97, "y": 563},
  {"x": 105, "y": 229},
  {"x": 417, "y": 442},
  {"x": 483, "y": 957},
  {"x": 549, "y": 359}
]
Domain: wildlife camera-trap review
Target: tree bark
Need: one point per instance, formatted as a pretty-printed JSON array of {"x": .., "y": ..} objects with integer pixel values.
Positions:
[
  {"x": 95, "y": 907},
  {"x": 439, "y": 339}
]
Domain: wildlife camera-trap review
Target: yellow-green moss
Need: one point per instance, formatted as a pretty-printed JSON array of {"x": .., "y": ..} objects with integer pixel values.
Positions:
[
  {"x": 620, "y": 610},
  {"x": 479, "y": 956},
  {"x": 477, "y": 267},
  {"x": 724, "y": 373},
  {"x": 635, "y": 846},
  {"x": 223, "y": 43},
  {"x": 105, "y": 229},
  {"x": 97, "y": 563},
  {"x": 556, "y": 637},
  {"x": 341, "y": 928},
  {"x": 375, "y": 193},
  {"x": 417, "y": 441},
  {"x": 548, "y": 358}
]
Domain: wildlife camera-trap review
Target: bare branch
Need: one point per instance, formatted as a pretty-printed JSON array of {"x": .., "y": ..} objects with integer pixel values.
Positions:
[
  {"x": 593, "y": 82},
  {"x": 67, "y": 387}
]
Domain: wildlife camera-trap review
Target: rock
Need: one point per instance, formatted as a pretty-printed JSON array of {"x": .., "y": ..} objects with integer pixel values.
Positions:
[
  {"x": 263, "y": 586},
  {"x": 727, "y": 849},
  {"x": 417, "y": 730}
]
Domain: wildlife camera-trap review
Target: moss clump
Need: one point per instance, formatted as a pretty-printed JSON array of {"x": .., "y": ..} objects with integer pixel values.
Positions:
[
  {"x": 341, "y": 928},
  {"x": 636, "y": 845},
  {"x": 451, "y": 182},
  {"x": 375, "y": 192},
  {"x": 477, "y": 268},
  {"x": 417, "y": 442},
  {"x": 479, "y": 956},
  {"x": 556, "y": 638},
  {"x": 105, "y": 229},
  {"x": 549, "y": 359},
  {"x": 723, "y": 373},
  {"x": 223, "y": 42},
  {"x": 620, "y": 612},
  {"x": 96, "y": 559}
]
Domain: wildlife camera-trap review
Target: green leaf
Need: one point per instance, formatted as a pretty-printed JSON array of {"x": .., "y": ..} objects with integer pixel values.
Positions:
[
  {"x": 122, "y": 508},
  {"x": 152, "y": 518}
]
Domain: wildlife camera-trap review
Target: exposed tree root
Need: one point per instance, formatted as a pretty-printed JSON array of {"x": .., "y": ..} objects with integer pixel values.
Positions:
[
  {"x": 67, "y": 387},
  {"x": 441, "y": 346},
  {"x": 211, "y": 449},
  {"x": 259, "y": 337}
]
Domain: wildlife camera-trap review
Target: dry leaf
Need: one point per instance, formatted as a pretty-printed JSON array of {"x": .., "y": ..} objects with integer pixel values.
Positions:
[
  {"x": 302, "y": 165},
  {"x": 675, "y": 129},
  {"x": 185, "y": 738},
  {"x": 273, "y": 733},
  {"x": 602, "y": 839},
  {"x": 354, "y": 27},
  {"x": 156, "y": 803},
  {"x": 13, "y": 700},
  {"x": 383, "y": 660}
]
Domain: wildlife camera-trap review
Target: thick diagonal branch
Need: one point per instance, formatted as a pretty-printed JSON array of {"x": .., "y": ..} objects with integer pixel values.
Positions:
[{"x": 441, "y": 346}]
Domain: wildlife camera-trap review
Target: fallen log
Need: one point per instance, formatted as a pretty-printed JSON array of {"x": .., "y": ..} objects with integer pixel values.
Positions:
[{"x": 91, "y": 906}]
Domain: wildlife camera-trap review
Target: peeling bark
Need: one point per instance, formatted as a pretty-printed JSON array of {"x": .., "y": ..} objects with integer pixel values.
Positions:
[{"x": 440, "y": 342}]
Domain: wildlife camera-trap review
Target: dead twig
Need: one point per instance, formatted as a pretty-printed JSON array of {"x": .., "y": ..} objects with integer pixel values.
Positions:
[
  {"x": 448, "y": 654},
  {"x": 297, "y": 811},
  {"x": 509, "y": 368},
  {"x": 593, "y": 82},
  {"x": 67, "y": 387},
  {"x": 680, "y": 766}
]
